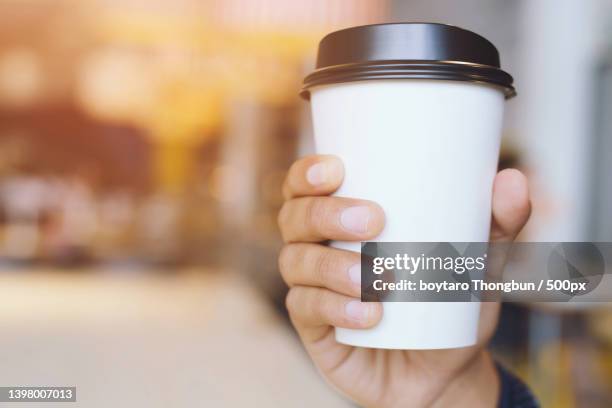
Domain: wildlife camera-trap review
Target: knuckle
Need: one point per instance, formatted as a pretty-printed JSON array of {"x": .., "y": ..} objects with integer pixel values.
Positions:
[
  {"x": 324, "y": 306},
  {"x": 325, "y": 265},
  {"x": 319, "y": 305},
  {"x": 316, "y": 211}
]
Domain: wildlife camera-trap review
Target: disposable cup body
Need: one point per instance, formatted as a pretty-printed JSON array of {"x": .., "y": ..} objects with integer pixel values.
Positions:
[{"x": 427, "y": 152}]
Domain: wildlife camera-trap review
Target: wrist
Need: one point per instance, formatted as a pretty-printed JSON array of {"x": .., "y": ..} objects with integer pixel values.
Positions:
[{"x": 477, "y": 385}]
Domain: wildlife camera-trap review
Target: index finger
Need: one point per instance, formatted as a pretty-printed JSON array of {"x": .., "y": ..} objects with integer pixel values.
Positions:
[{"x": 314, "y": 175}]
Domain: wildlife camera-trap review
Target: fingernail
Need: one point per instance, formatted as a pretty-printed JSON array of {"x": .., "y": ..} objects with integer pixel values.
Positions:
[
  {"x": 316, "y": 174},
  {"x": 356, "y": 219},
  {"x": 357, "y": 310},
  {"x": 355, "y": 274}
]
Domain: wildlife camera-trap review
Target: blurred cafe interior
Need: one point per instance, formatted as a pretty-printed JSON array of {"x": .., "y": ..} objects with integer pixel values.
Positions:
[{"x": 142, "y": 149}]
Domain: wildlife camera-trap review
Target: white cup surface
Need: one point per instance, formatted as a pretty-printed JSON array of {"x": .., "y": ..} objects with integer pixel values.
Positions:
[{"x": 427, "y": 152}]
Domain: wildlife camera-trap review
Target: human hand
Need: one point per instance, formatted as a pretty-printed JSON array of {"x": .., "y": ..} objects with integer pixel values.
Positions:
[{"x": 325, "y": 290}]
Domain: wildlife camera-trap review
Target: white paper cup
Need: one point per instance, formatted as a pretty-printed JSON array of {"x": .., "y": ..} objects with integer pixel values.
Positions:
[{"x": 426, "y": 150}]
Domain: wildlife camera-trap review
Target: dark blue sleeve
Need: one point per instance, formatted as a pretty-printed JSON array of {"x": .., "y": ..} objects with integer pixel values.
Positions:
[{"x": 514, "y": 393}]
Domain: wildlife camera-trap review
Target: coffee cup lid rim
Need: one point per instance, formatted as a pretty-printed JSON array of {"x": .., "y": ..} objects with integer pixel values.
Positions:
[{"x": 409, "y": 50}]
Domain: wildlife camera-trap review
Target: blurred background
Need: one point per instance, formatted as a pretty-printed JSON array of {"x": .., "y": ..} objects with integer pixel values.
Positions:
[{"x": 142, "y": 149}]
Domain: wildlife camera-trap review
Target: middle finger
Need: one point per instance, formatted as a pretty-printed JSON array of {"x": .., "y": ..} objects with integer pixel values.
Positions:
[{"x": 313, "y": 219}]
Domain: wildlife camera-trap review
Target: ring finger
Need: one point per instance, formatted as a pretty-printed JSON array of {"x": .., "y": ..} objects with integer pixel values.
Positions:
[{"x": 316, "y": 265}]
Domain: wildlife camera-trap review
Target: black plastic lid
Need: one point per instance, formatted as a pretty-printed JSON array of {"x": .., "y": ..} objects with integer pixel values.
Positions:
[{"x": 407, "y": 51}]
